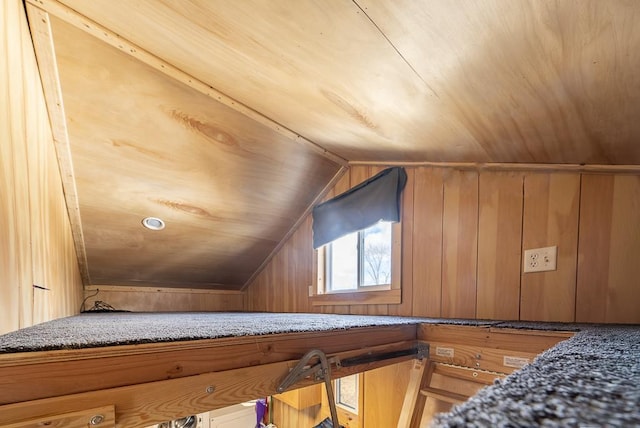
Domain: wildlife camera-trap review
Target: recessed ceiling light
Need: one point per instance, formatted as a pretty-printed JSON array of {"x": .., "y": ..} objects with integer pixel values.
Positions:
[{"x": 153, "y": 223}]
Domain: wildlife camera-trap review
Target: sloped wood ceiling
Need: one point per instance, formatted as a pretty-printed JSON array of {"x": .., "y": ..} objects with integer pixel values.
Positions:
[{"x": 227, "y": 118}]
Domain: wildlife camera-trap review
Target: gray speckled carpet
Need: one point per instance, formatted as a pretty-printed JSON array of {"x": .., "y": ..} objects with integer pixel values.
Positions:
[
  {"x": 90, "y": 330},
  {"x": 590, "y": 380}
]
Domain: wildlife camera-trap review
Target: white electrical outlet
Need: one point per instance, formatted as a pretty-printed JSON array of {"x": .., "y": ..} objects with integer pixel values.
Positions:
[{"x": 540, "y": 259}]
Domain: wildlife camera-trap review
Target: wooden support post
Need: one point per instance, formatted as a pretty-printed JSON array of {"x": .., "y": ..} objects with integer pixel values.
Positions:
[{"x": 413, "y": 393}]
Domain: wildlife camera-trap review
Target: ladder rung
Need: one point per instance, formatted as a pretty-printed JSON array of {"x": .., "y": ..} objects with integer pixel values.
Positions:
[{"x": 441, "y": 394}]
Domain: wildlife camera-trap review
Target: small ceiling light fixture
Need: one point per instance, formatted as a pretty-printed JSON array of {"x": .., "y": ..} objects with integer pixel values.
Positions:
[{"x": 153, "y": 223}]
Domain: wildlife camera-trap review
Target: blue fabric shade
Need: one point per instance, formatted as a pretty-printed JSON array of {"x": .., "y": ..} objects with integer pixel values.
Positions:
[{"x": 377, "y": 199}]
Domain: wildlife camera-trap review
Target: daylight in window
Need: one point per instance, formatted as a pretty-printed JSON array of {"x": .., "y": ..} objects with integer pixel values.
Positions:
[
  {"x": 347, "y": 392},
  {"x": 360, "y": 260}
]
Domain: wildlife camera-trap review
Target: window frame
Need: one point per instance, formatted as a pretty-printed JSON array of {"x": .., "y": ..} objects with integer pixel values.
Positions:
[
  {"x": 364, "y": 295},
  {"x": 338, "y": 396}
]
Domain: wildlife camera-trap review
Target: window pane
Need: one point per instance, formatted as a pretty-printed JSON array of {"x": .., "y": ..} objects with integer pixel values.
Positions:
[
  {"x": 347, "y": 392},
  {"x": 343, "y": 263},
  {"x": 376, "y": 261}
]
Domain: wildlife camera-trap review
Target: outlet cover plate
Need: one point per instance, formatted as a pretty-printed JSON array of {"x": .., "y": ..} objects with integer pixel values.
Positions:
[{"x": 540, "y": 259}]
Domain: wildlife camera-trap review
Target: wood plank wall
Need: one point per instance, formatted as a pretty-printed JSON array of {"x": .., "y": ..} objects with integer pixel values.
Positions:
[
  {"x": 36, "y": 246},
  {"x": 464, "y": 232}
]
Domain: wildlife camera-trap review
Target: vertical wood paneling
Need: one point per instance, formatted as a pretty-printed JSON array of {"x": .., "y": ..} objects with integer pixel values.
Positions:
[
  {"x": 17, "y": 72},
  {"x": 283, "y": 285},
  {"x": 38, "y": 248},
  {"x": 500, "y": 209},
  {"x": 405, "y": 308},
  {"x": 609, "y": 247},
  {"x": 499, "y": 249},
  {"x": 459, "y": 244},
  {"x": 550, "y": 218},
  {"x": 384, "y": 391},
  {"x": 287, "y": 416},
  {"x": 45, "y": 229},
  {"x": 596, "y": 212},
  {"x": 427, "y": 242}
]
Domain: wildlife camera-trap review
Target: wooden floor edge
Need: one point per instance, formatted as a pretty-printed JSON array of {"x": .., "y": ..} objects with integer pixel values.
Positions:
[{"x": 40, "y": 357}]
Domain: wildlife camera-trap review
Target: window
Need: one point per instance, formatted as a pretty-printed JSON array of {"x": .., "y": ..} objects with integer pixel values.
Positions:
[
  {"x": 348, "y": 392},
  {"x": 360, "y": 268},
  {"x": 360, "y": 260},
  {"x": 357, "y": 235}
]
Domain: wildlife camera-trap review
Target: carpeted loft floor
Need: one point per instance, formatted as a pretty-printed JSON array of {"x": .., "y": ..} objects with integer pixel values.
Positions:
[
  {"x": 589, "y": 380},
  {"x": 90, "y": 330}
]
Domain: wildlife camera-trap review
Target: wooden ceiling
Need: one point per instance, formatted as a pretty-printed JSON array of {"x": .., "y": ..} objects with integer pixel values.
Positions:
[{"x": 228, "y": 118}]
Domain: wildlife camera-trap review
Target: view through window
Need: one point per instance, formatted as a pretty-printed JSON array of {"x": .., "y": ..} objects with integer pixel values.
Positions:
[
  {"x": 360, "y": 260},
  {"x": 347, "y": 393}
]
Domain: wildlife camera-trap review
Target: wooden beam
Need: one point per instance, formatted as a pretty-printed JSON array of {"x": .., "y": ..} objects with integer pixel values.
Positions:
[
  {"x": 529, "y": 341},
  {"x": 411, "y": 396},
  {"x": 101, "y": 417},
  {"x": 485, "y": 377},
  {"x": 45, "y": 54},
  {"x": 36, "y": 375},
  {"x": 106, "y": 35},
  {"x": 441, "y": 394},
  {"x": 147, "y": 403}
]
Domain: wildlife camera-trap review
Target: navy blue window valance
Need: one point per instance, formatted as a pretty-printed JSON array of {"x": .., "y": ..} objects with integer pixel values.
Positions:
[{"x": 377, "y": 199}]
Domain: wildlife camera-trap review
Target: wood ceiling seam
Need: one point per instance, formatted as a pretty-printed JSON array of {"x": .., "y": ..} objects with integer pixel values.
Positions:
[
  {"x": 343, "y": 170},
  {"x": 41, "y": 34},
  {"x": 104, "y": 34},
  {"x": 395, "y": 48},
  {"x": 502, "y": 166}
]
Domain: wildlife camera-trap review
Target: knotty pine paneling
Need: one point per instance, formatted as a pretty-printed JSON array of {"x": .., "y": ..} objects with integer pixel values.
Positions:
[
  {"x": 499, "y": 250},
  {"x": 36, "y": 239},
  {"x": 609, "y": 249},
  {"x": 459, "y": 244},
  {"x": 514, "y": 210},
  {"x": 551, "y": 205}
]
